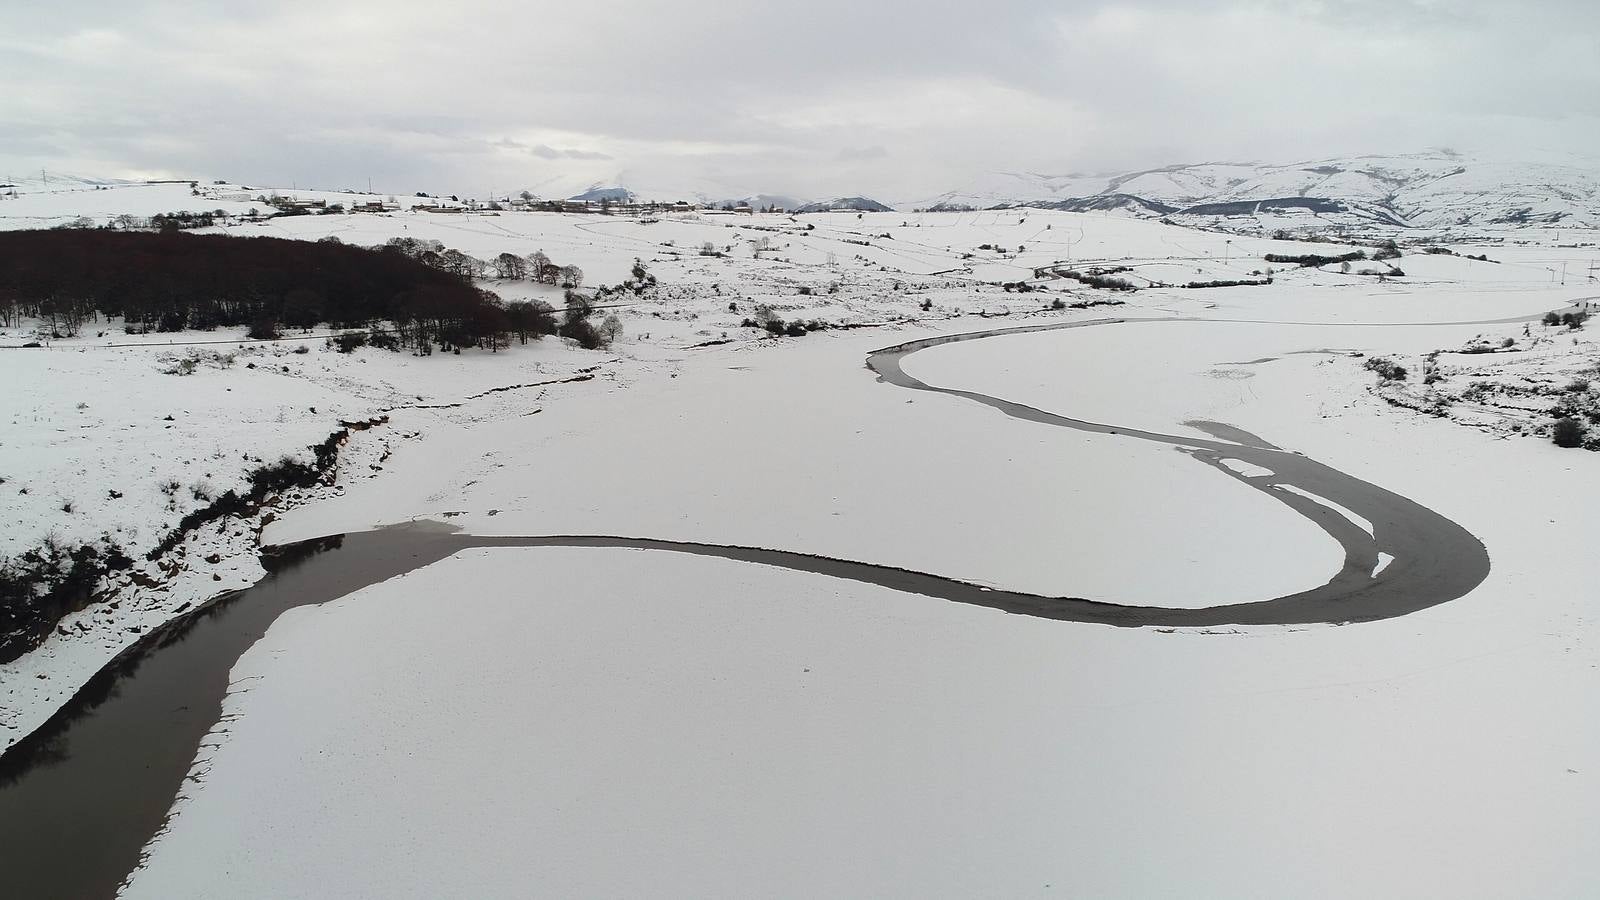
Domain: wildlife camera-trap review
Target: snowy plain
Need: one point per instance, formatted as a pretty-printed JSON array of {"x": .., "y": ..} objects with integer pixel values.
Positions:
[{"x": 642, "y": 723}]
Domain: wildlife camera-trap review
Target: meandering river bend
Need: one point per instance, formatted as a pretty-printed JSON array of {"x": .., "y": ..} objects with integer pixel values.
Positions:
[{"x": 81, "y": 797}]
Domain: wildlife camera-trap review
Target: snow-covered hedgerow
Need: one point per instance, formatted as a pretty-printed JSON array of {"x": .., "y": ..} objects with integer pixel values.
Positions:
[
  {"x": 1536, "y": 380},
  {"x": 43, "y": 585}
]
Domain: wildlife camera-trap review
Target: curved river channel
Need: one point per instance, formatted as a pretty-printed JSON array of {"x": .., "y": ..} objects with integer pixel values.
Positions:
[{"x": 81, "y": 797}]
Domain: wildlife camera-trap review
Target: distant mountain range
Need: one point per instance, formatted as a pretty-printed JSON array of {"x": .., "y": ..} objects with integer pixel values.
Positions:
[
  {"x": 1425, "y": 190},
  {"x": 781, "y": 202},
  {"x": 1439, "y": 189},
  {"x": 846, "y": 204},
  {"x": 598, "y": 194},
  {"x": 1430, "y": 190}
]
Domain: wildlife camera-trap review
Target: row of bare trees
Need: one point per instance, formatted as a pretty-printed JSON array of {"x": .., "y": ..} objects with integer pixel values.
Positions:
[
  {"x": 537, "y": 266},
  {"x": 506, "y": 266}
]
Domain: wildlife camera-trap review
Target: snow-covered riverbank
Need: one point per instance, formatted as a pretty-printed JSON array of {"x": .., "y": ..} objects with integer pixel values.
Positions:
[
  {"x": 103, "y": 445},
  {"x": 982, "y": 732},
  {"x": 913, "y": 747}
]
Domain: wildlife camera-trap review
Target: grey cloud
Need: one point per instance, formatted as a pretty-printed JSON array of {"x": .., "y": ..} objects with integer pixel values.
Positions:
[
  {"x": 849, "y": 154},
  {"x": 762, "y": 97},
  {"x": 545, "y": 151}
]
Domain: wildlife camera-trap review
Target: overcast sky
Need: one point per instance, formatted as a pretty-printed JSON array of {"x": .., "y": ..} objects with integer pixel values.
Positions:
[{"x": 894, "y": 98}]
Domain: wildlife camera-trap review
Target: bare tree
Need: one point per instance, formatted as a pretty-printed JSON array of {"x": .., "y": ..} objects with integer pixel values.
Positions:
[
  {"x": 537, "y": 261},
  {"x": 462, "y": 264},
  {"x": 510, "y": 265},
  {"x": 571, "y": 277}
]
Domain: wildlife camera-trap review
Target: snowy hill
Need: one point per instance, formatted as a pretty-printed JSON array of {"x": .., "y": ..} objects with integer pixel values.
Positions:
[
  {"x": 994, "y": 189},
  {"x": 1123, "y": 203},
  {"x": 597, "y": 194},
  {"x": 51, "y": 182},
  {"x": 846, "y": 204},
  {"x": 1428, "y": 190},
  {"x": 64, "y": 199},
  {"x": 765, "y": 201},
  {"x": 624, "y": 186},
  {"x": 1434, "y": 190}
]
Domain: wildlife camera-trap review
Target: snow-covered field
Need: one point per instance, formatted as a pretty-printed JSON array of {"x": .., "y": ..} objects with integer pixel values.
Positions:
[
  {"x": 41, "y": 204},
  {"x": 1507, "y": 381},
  {"x": 629, "y": 722},
  {"x": 1440, "y": 189},
  {"x": 642, "y": 724},
  {"x": 796, "y": 447},
  {"x": 824, "y": 738},
  {"x": 101, "y": 444}
]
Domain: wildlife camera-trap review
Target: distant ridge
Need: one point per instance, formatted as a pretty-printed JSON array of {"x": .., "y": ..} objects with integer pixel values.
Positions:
[
  {"x": 1432, "y": 190},
  {"x": 846, "y": 204},
  {"x": 599, "y": 194}
]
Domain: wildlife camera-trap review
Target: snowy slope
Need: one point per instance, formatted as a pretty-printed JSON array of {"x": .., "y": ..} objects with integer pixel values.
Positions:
[
  {"x": 61, "y": 199},
  {"x": 845, "y": 204},
  {"x": 704, "y": 190},
  {"x": 1431, "y": 190},
  {"x": 58, "y": 203},
  {"x": 54, "y": 183},
  {"x": 763, "y": 201},
  {"x": 600, "y": 193}
]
